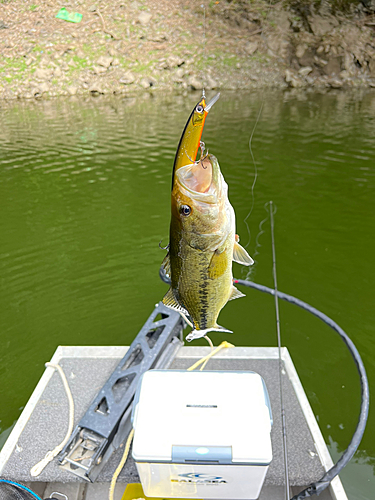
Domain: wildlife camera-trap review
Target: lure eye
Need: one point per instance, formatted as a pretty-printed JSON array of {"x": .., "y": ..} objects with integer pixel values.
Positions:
[
  {"x": 185, "y": 210},
  {"x": 199, "y": 108}
]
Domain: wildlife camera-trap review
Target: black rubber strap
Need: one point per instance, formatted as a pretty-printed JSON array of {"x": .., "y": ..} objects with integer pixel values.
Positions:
[{"x": 317, "y": 487}]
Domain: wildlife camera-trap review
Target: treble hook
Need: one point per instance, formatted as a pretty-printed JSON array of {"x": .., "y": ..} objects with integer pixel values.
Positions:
[
  {"x": 203, "y": 149},
  {"x": 203, "y": 156}
]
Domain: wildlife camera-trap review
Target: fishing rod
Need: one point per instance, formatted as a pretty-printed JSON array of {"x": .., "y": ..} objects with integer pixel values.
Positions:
[{"x": 283, "y": 418}]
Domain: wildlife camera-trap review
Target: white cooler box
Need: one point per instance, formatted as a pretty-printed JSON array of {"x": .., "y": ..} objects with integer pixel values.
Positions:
[{"x": 202, "y": 434}]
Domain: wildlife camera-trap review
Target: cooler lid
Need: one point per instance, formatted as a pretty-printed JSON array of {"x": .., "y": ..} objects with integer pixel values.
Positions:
[{"x": 202, "y": 417}]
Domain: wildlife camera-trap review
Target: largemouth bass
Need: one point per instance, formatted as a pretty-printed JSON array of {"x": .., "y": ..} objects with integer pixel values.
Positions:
[{"x": 203, "y": 241}]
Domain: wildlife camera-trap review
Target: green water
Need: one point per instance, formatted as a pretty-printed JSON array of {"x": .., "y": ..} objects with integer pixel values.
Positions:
[{"x": 84, "y": 202}]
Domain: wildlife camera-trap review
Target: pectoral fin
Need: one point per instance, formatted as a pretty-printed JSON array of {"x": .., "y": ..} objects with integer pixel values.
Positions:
[
  {"x": 166, "y": 265},
  {"x": 236, "y": 294},
  {"x": 241, "y": 256}
]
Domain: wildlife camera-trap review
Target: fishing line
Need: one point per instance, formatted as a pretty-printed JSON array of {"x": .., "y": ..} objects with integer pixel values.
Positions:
[
  {"x": 255, "y": 176},
  {"x": 204, "y": 49},
  {"x": 251, "y": 270},
  {"x": 260, "y": 232},
  {"x": 254, "y": 162},
  {"x": 283, "y": 422}
]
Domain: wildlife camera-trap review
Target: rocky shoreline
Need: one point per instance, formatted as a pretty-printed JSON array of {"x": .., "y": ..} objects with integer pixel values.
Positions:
[{"x": 126, "y": 47}]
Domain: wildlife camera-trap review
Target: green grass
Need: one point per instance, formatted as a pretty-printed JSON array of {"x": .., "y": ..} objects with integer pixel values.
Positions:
[
  {"x": 17, "y": 76},
  {"x": 124, "y": 62},
  {"x": 32, "y": 7},
  {"x": 189, "y": 46},
  {"x": 230, "y": 61},
  {"x": 141, "y": 68},
  {"x": 11, "y": 63},
  {"x": 79, "y": 62},
  {"x": 38, "y": 48},
  {"x": 260, "y": 58},
  {"x": 87, "y": 48}
]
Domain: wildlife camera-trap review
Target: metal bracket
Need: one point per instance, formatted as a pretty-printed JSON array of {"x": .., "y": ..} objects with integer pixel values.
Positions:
[{"x": 106, "y": 423}]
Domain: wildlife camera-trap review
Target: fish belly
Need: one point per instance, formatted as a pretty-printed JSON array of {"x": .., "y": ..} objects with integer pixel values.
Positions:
[{"x": 199, "y": 287}]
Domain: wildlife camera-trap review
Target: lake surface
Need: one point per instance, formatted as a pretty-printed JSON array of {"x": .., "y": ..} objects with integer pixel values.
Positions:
[{"x": 85, "y": 200}]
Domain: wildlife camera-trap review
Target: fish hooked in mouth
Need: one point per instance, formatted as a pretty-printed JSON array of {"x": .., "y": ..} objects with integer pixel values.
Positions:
[
  {"x": 203, "y": 240},
  {"x": 196, "y": 176}
]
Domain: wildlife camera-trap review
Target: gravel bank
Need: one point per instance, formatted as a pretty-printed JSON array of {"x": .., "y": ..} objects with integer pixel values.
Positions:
[{"x": 126, "y": 47}]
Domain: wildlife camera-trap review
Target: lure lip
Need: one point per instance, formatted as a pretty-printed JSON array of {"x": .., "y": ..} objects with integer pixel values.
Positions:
[{"x": 212, "y": 102}]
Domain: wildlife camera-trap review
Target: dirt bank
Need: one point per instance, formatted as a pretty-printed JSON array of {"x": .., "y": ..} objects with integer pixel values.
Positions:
[{"x": 122, "y": 46}]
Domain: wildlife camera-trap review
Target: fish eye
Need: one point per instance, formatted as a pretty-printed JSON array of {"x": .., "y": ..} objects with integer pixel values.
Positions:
[
  {"x": 185, "y": 210},
  {"x": 199, "y": 108}
]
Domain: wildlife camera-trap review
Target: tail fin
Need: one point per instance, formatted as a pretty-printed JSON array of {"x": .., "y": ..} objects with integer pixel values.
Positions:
[{"x": 198, "y": 334}]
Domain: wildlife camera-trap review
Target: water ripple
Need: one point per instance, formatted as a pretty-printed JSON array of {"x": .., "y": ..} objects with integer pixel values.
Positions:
[{"x": 79, "y": 253}]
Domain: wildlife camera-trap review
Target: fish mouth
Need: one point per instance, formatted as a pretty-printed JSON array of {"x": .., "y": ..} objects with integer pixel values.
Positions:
[{"x": 197, "y": 178}]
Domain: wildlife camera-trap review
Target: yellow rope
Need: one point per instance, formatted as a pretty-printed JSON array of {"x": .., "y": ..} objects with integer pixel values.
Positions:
[
  {"x": 121, "y": 464},
  {"x": 212, "y": 348},
  {"x": 204, "y": 360}
]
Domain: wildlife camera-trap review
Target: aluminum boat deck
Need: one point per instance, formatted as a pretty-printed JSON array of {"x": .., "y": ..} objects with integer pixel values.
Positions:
[{"x": 43, "y": 423}]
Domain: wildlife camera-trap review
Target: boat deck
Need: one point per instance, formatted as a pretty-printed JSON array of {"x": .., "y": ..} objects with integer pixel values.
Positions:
[{"x": 44, "y": 422}]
